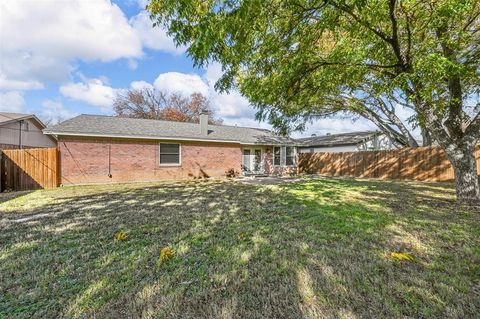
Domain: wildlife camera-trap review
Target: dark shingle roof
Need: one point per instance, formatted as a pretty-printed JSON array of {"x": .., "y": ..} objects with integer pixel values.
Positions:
[
  {"x": 111, "y": 126},
  {"x": 337, "y": 139}
]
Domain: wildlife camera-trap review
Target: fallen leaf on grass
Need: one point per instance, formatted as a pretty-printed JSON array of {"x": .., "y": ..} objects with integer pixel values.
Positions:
[
  {"x": 401, "y": 256},
  {"x": 121, "y": 235},
  {"x": 166, "y": 254}
]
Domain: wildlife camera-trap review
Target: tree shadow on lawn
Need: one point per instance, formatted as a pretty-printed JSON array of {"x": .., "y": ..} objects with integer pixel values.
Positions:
[
  {"x": 8, "y": 196},
  {"x": 309, "y": 250}
]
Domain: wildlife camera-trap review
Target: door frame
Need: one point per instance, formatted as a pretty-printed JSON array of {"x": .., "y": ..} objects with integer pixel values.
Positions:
[{"x": 252, "y": 159}]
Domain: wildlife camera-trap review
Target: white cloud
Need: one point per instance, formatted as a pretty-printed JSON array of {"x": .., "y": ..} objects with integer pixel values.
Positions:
[
  {"x": 41, "y": 39},
  {"x": 6, "y": 84},
  {"x": 173, "y": 82},
  {"x": 153, "y": 38},
  {"x": 245, "y": 122},
  {"x": 12, "y": 101},
  {"x": 132, "y": 64},
  {"x": 336, "y": 125},
  {"x": 138, "y": 85},
  {"x": 53, "y": 111},
  {"x": 233, "y": 108},
  {"x": 94, "y": 92},
  {"x": 232, "y": 105}
]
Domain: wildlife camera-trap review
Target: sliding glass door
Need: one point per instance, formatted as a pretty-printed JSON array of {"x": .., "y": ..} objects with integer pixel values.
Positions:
[{"x": 253, "y": 161}]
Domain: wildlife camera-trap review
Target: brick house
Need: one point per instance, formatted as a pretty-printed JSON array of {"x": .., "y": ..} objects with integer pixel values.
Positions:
[{"x": 102, "y": 149}]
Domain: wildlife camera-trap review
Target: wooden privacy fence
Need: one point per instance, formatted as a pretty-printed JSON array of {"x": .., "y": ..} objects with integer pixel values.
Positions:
[
  {"x": 29, "y": 169},
  {"x": 421, "y": 164}
]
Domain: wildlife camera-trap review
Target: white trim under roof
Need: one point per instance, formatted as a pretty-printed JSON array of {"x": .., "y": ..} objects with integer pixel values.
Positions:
[{"x": 168, "y": 138}]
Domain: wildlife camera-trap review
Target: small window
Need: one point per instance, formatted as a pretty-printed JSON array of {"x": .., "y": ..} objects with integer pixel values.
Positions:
[
  {"x": 169, "y": 154},
  {"x": 289, "y": 156},
  {"x": 276, "y": 155}
]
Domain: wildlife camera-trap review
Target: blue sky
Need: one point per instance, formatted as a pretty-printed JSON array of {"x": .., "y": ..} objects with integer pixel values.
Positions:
[{"x": 60, "y": 58}]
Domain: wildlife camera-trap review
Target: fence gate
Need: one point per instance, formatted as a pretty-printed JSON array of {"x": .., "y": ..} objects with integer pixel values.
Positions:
[{"x": 27, "y": 169}]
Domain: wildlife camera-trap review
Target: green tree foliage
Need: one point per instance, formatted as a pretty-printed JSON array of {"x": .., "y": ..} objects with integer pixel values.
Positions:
[{"x": 299, "y": 59}]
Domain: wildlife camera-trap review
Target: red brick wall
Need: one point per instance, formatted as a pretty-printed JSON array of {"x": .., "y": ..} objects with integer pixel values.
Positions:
[{"x": 87, "y": 160}]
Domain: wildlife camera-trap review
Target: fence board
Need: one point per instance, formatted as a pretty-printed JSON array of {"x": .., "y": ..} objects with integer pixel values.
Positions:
[
  {"x": 27, "y": 169},
  {"x": 421, "y": 164}
]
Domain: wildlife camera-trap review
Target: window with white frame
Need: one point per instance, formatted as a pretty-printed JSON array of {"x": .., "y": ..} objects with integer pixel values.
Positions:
[
  {"x": 169, "y": 154},
  {"x": 283, "y": 156},
  {"x": 289, "y": 156},
  {"x": 276, "y": 155}
]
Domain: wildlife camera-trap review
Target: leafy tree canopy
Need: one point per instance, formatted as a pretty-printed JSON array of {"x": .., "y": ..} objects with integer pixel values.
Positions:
[{"x": 297, "y": 59}]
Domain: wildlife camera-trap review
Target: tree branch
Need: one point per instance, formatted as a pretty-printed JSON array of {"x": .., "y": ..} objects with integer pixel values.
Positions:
[
  {"x": 398, "y": 123},
  {"x": 396, "y": 138},
  {"x": 394, "y": 38},
  {"x": 347, "y": 9}
]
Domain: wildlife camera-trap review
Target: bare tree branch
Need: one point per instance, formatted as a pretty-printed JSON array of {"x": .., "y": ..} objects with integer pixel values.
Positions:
[{"x": 151, "y": 103}]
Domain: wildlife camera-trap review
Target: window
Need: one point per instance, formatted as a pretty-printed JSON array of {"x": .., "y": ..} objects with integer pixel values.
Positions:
[
  {"x": 276, "y": 155},
  {"x": 289, "y": 156},
  {"x": 246, "y": 160},
  {"x": 283, "y": 156},
  {"x": 169, "y": 154}
]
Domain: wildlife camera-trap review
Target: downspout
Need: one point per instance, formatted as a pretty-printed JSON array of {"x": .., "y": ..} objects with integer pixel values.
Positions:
[
  {"x": 20, "y": 124},
  {"x": 110, "y": 159}
]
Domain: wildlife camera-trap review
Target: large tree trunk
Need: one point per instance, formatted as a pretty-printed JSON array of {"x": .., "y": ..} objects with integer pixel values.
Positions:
[{"x": 464, "y": 165}]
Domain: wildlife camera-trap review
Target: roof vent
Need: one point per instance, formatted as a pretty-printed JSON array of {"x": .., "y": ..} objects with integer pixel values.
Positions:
[{"x": 204, "y": 122}]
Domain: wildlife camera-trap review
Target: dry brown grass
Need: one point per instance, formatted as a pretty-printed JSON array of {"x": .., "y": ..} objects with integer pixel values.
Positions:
[{"x": 313, "y": 249}]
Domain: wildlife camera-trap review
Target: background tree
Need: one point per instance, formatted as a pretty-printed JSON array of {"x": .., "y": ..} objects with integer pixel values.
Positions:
[
  {"x": 295, "y": 59},
  {"x": 150, "y": 103}
]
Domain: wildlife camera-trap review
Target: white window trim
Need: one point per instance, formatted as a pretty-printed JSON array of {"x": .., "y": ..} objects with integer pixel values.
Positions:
[
  {"x": 170, "y": 164},
  {"x": 294, "y": 155},
  {"x": 283, "y": 156},
  {"x": 273, "y": 156}
]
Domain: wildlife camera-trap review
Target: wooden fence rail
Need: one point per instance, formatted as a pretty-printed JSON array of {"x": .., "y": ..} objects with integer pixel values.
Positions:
[
  {"x": 27, "y": 169},
  {"x": 421, "y": 164}
]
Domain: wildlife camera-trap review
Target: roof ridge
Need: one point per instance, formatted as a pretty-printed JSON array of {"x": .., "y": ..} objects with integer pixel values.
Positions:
[
  {"x": 134, "y": 118},
  {"x": 338, "y": 134}
]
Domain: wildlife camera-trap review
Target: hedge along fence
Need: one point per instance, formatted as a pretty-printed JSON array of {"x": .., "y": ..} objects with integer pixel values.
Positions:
[
  {"x": 26, "y": 169},
  {"x": 421, "y": 164}
]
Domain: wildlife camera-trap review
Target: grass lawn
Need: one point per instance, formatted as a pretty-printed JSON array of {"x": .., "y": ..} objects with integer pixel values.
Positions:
[{"x": 314, "y": 249}]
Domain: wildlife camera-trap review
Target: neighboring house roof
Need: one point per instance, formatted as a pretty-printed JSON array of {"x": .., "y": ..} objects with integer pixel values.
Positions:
[
  {"x": 353, "y": 138},
  {"x": 120, "y": 127},
  {"x": 6, "y": 118}
]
